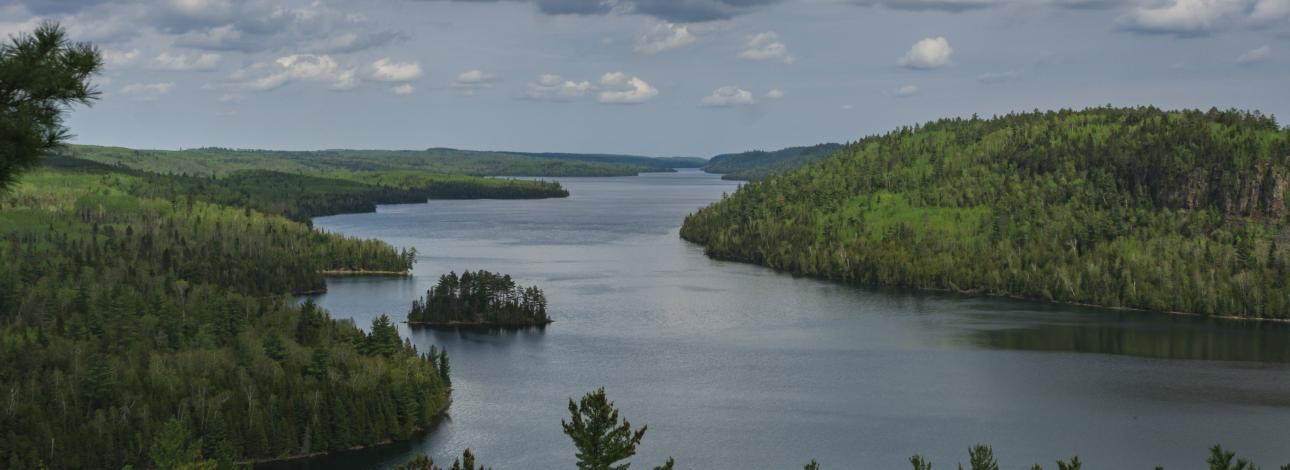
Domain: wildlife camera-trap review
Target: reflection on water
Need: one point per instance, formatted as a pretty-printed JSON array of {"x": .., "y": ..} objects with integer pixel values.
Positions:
[
  {"x": 736, "y": 366},
  {"x": 1133, "y": 334}
]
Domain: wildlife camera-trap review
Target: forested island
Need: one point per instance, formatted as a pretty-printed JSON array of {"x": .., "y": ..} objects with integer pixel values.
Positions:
[
  {"x": 1181, "y": 211},
  {"x": 479, "y": 299}
]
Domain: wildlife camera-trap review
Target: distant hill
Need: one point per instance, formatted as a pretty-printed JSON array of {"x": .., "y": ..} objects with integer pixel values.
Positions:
[
  {"x": 658, "y": 163},
  {"x": 221, "y": 161},
  {"x": 1137, "y": 208},
  {"x": 758, "y": 164}
]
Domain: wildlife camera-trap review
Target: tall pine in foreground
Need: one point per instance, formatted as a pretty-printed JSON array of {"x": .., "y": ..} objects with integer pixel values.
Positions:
[{"x": 42, "y": 75}]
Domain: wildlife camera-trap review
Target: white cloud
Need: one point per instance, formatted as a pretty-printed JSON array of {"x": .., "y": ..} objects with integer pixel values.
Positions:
[
  {"x": 1187, "y": 17},
  {"x": 906, "y": 90},
  {"x": 302, "y": 67},
  {"x": 1267, "y": 11},
  {"x": 551, "y": 87},
  {"x": 664, "y": 36},
  {"x": 928, "y": 53},
  {"x": 147, "y": 91},
  {"x": 471, "y": 80},
  {"x": 404, "y": 89},
  {"x": 232, "y": 98},
  {"x": 1258, "y": 54},
  {"x": 728, "y": 96},
  {"x": 203, "y": 62},
  {"x": 618, "y": 88},
  {"x": 118, "y": 59},
  {"x": 766, "y": 46},
  {"x": 389, "y": 71},
  {"x": 775, "y": 93}
]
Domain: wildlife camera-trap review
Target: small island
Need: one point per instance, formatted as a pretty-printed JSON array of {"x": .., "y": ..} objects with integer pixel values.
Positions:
[{"x": 479, "y": 299}]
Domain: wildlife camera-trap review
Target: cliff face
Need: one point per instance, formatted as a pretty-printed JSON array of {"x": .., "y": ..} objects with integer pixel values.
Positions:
[{"x": 1257, "y": 192}]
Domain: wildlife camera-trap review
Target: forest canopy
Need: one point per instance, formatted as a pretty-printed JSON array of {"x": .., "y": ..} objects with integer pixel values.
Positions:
[{"x": 1117, "y": 207}]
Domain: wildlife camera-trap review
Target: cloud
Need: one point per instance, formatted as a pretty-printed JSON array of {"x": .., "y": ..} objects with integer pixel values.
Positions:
[
  {"x": 551, "y": 87},
  {"x": 1185, "y": 17},
  {"x": 921, "y": 5},
  {"x": 728, "y": 96},
  {"x": 147, "y": 91},
  {"x": 928, "y": 53},
  {"x": 775, "y": 93},
  {"x": 474, "y": 79},
  {"x": 664, "y": 36},
  {"x": 295, "y": 67},
  {"x": 119, "y": 59},
  {"x": 404, "y": 89},
  {"x": 618, "y": 88},
  {"x": 998, "y": 77},
  {"x": 1256, "y": 55},
  {"x": 203, "y": 62},
  {"x": 388, "y": 71},
  {"x": 766, "y": 46},
  {"x": 906, "y": 90},
  {"x": 260, "y": 25},
  {"x": 679, "y": 11}
]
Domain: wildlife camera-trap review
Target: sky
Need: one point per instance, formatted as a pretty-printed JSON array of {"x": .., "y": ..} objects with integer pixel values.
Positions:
[{"x": 646, "y": 77}]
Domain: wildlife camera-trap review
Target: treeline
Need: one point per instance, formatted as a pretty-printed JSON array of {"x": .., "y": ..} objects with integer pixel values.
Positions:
[
  {"x": 758, "y": 164},
  {"x": 220, "y": 161},
  {"x": 303, "y": 197},
  {"x": 1118, "y": 207},
  {"x": 479, "y": 298},
  {"x": 155, "y": 332}
]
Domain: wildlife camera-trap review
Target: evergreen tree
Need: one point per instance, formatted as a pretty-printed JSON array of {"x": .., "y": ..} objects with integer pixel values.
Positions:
[
  {"x": 601, "y": 440},
  {"x": 41, "y": 75}
]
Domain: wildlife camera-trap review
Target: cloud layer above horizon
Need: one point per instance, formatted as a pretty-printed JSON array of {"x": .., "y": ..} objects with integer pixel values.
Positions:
[{"x": 660, "y": 77}]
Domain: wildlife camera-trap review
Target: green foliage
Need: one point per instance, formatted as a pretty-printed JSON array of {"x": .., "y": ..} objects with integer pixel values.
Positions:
[
  {"x": 1133, "y": 208},
  {"x": 479, "y": 298},
  {"x": 141, "y": 330},
  {"x": 42, "y": 75},
  {"x": 424, "y": 462},
  {"x": 981, "y": 457},
  {"x": 1220, "y": 459},
  {"x": 813, "y": 465},
  {"x": 920, "y": 464},
  {"x": 302, "y": 197},
  {"x": 599, "y": 437},
  {"x": 758, "y": 164}
]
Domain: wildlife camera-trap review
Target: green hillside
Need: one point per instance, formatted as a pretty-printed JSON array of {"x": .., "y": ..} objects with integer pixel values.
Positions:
[
  {"x": 141, "y": 330},
  {"x": 220, "y": 161},
  {"x": 1142, "y": 208},
  {"x": 759, "y": 164},
  {"x": 655, "y": 164}
]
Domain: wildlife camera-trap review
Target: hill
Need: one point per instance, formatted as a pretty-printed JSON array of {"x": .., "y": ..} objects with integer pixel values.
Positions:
[
  {"x": 221, "y": 161},
  {"x": 654, "y": 163},
  {"x": 759, "y": 164},
  {"x": 139, "y": 324},
  {"x": 1137, "y": 208}
]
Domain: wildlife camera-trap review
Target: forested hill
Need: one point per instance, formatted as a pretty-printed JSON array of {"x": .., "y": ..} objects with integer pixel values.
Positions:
[
  {"x": 219, "y": 161},
  {"x": 1142, "y": 208},
  {"x": 759, "y": 164},
  {"x": 655, "y": 164},
  {"x": 152, "y": 327}
]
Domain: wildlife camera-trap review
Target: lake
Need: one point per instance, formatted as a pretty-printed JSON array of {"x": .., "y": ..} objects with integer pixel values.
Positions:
[{"x": 735, "y": 366}]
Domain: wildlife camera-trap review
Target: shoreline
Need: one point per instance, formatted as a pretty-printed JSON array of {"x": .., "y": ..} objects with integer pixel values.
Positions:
[
  {"x": 416, "y": 431},
  {"x": 363, "y": 272},
  {"x": 980, "y": 293},
  {"x": 455, "y": 324}
]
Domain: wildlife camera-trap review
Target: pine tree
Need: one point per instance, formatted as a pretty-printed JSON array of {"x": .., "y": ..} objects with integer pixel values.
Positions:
[
  {"x": 599, "y": 437},
  {"x": 41, "y": 75}
]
